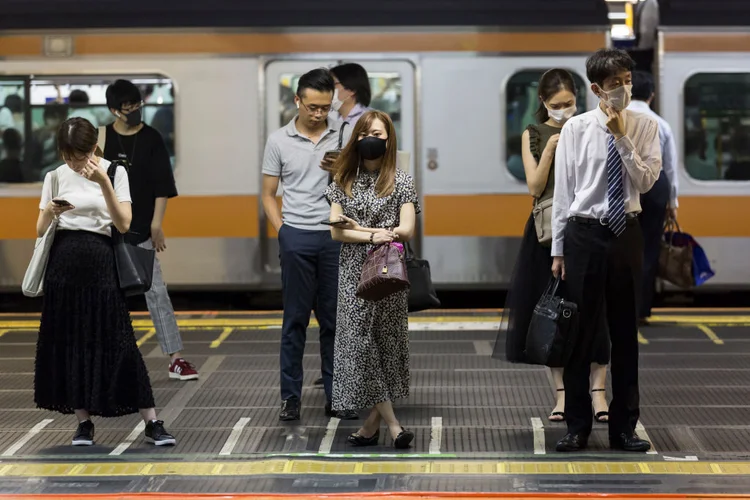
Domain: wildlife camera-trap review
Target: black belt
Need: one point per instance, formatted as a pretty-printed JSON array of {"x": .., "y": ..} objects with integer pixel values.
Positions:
[{"x": 630, "y": 217}]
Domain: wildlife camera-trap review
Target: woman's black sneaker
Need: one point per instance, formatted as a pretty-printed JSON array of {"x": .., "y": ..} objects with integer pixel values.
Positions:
[
  {"x": 157, "y": 434},
  {"x": 85, "y": 434}
]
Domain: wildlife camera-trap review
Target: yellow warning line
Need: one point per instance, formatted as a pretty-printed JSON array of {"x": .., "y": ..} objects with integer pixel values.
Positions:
[
  {"x": 221, "y": 338},
  {"x": 150, "y": 333},
  {"x": 641, "y": 339},
  {"x": 246, "y": 322},
  {"x": 406, "y": 467},
  {"x": 710, "y": 334},
  {"x": 3, "y": 332}
]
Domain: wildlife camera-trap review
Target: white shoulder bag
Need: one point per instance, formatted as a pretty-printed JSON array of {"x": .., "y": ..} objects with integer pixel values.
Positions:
[{"x": 33, "y": 280}]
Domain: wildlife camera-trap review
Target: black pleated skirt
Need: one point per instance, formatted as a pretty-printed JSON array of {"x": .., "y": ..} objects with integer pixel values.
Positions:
[
  {"x": 87, "y": 357},
  {"x": 531, "y": 276}
]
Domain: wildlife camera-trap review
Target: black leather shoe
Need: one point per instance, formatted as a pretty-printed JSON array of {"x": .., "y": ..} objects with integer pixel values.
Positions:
[
  {"x": 319, "y": 381},
  {"x": 629, "y": 442},
  {"x": 404, "y": 439},
  {"x": 289, "y": 410},
  {"x": 358, "y": 440},
  {"x": 342, "y": 414},
  {"x": 573, "y": 442}
]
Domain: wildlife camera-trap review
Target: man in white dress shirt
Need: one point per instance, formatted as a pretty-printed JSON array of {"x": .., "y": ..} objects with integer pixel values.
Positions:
[
  {"x": 605, "y": 159},
  {"x": 661, "y": 199}
]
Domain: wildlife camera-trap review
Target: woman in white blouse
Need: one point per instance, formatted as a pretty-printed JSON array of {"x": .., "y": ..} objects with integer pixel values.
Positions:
[{"x": 87, "y": 360}]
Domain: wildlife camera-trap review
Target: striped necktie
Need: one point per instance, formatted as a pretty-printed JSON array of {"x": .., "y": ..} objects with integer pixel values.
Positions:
[{"x": 615, "y": 189}]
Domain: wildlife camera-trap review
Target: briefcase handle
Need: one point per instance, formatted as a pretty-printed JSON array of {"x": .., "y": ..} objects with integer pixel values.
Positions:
[{"x": 552, "y": 286}]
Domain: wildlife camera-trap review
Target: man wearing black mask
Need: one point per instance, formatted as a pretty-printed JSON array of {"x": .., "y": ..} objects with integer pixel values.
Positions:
[{"x": 141, "y": 148}]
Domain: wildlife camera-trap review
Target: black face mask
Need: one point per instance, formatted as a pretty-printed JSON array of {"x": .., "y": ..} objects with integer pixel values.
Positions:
[
  {"x": 133, "y": 119},
  {"x": 371, "y": 148}
]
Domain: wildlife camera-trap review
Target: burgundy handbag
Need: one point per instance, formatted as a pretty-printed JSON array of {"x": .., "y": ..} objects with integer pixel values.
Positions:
[{"x": 383, "y": 273}]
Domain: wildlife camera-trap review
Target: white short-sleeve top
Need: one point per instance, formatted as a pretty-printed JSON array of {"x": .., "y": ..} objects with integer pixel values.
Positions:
[{"x": 90, "y": 212}]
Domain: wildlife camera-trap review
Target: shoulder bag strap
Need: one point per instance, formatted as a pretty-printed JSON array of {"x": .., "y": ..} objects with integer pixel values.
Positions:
[
  {"x": 55, "y": 183},
  {"x": 102, "y": 139},
  {"x": 341, "y": 135}
]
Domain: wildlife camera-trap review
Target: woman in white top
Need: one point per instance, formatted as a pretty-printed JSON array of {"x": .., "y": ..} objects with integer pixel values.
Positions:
[{"x": 87, "y": 359}]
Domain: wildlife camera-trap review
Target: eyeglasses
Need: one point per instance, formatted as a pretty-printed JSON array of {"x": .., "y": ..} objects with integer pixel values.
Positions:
[
  {"x": 132, "y": 107},
  {"x": 315, "y": 109}
]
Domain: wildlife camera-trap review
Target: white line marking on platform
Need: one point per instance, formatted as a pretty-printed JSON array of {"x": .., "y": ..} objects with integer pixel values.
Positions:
[
  {"x": 644, "y": 435},
  {"x": 130, "y": 439},
  {"x": 27, "y": 437},
  {"x": 483, "y": 347},
  {"x": 234, "y": 436},
  {"x": 538, "y": 426},
  {"x": 436, "y": 435},
  {"x": 689, "y": 458},
  {"x": 436, "y": 326},
  {"x": 327, "y": 443}
]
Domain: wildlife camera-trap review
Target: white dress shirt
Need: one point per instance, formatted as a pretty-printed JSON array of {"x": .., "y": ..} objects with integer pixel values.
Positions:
[
  {"x": 581, "y": 167},
  {"x": 668, "y": 147}
]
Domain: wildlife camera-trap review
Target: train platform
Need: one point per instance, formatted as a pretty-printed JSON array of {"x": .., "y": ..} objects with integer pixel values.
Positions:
[{"x": 481, "y": 424}]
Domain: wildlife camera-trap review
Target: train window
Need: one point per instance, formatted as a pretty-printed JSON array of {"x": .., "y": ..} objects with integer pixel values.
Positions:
[
  {"x": 386, "y": 96},
  {"x": 521, "y": 104},
  {"x": 717, "y": 126},
  {"x": 53, "y": 99},
  {"x": 12, "y": 130}
]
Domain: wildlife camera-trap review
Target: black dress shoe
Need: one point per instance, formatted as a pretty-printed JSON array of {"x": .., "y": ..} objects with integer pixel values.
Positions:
[
  {"x": 573, "y": 442},
  {"x": 629, "y": 442},
  {"x": 341, "y": 414},
  {"x": 289, "y": 410},
  {"x": 358, "y": 440},
  {"x": 319, "y": 381},
  {"x": 404, "y": 439}
]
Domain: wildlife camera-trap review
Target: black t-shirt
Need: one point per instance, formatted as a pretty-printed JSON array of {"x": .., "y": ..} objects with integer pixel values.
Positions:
[{"x": 149, "y": 172}]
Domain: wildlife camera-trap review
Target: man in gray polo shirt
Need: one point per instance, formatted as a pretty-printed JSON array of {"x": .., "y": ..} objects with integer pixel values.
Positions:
[{"x": 309, "y": 256}]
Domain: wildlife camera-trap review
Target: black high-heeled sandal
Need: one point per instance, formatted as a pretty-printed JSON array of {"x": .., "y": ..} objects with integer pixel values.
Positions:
[
  {"x": 599, "y": 417},
  {"x": 404, "y": 439},
  {"x": 557, "y": 413},
  {"x": 359, "y": 440}
]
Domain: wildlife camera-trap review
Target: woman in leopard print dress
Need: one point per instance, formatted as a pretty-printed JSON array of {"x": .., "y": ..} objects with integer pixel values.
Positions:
[{"x": 373, "y": 203}]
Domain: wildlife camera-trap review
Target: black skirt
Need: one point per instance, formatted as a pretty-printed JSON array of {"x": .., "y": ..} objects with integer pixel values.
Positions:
[
  {"x": 87, "y": 357},
  {"x": 531, "y": 276}
]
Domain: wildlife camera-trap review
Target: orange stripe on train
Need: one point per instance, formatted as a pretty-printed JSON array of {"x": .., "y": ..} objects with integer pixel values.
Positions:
[{"x": 493, "y": 215}]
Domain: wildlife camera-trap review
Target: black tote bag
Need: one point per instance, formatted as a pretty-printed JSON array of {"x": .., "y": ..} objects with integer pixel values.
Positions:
[
  {"x": 553, "y": 328},
  {"x": 422, "y": 294},
  {"x": 135, "y": 265}
]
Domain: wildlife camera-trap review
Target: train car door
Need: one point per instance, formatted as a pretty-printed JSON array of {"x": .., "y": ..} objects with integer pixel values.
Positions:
[{"x": 392, "y": 85}]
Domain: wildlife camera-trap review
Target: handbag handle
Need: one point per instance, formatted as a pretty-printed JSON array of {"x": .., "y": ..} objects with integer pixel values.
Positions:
[{"x": 552, "y": 286}]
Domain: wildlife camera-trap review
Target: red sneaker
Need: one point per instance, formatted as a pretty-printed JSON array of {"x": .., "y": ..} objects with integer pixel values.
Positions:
[{"x": 182, "y": 370}]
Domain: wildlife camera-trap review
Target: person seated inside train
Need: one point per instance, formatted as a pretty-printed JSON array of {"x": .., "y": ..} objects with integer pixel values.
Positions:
[
  {"x": 557, "y": 104},
  {"x": 376, "y": 204},
  {"x": 10, "y": 165},
  {"x": 697, "y": 164},
  {"x": 605, "y": 159},
  {"x": 309, "y": 256},
  {"x": 351, "y": 98}
]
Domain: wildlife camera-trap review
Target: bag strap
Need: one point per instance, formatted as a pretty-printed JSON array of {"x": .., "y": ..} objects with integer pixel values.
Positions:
[
  {"x": 55, "y": 183},
  {"x": 101, "y": 141},
  {"x": 341, "y": 135}
]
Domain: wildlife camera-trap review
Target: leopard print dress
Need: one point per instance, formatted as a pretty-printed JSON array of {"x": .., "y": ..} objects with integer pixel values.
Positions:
[{"x": 371, "y": 353}]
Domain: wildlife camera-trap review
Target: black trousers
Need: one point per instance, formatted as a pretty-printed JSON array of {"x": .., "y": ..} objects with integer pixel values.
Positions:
[
  {"x": 603, "y": 275},
  {"x": 654, "y": 209}
]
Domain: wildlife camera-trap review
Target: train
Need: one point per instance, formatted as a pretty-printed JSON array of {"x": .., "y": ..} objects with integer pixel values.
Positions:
[{"x": 460, "y": 98}]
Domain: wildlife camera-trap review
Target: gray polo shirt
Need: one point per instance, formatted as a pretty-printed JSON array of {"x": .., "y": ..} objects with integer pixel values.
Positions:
[{"x": 296, "y": 160}]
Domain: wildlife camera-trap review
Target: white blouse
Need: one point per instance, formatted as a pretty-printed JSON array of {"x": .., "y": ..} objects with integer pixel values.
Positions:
[{"x": 90, "y": 212}]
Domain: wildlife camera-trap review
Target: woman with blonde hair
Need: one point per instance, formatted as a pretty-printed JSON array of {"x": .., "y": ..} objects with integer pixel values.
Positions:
[{"x": 372, "y": 203}]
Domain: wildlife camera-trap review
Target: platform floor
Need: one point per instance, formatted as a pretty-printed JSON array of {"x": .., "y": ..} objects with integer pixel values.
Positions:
[{"x": 481, "y": 423}]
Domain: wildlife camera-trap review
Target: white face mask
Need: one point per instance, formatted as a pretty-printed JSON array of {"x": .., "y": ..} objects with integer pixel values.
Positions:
[
  {"x": 619, "y": 98},
  {"x": 336, "y": 103},
  {"x": 561, "y": 115}
]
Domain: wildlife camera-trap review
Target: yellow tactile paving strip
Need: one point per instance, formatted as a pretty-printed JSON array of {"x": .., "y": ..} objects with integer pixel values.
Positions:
[{"x": 352, "y": 467}]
